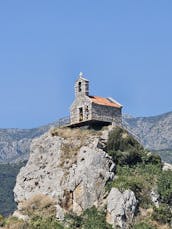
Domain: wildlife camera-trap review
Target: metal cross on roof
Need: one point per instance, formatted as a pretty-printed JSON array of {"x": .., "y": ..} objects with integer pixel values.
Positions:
[{"x": 81, "y": 74}]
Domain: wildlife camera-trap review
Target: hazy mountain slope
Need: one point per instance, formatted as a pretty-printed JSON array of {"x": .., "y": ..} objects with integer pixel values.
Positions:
[
  {"x": 166, "y": 155},
  {"x": 15, "y": 143},
  {"x": 154, "y": 132}
]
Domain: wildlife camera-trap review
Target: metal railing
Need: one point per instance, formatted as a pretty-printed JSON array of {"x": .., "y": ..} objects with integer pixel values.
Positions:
[
  {"x": 65, "y": 121},
  {"x": 127, "y": 127},
  {"x": 62, "y": 122}
]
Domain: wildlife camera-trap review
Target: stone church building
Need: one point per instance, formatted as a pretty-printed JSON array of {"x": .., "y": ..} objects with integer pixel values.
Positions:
[{"x": 87, "y": 109}]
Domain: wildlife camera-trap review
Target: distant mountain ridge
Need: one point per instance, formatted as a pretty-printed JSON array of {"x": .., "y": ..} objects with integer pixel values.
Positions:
[
  {"x": 154, "y": 132},
  {"x": 15, "y": 143}
]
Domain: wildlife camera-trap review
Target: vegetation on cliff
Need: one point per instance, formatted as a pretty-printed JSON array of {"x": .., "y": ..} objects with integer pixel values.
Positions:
[
  {"x": 8, "y": 173},
  {"x": 42, "y": 216},
  {"x": 141, "y": 171},
  {"x": 136, "y": 169}
]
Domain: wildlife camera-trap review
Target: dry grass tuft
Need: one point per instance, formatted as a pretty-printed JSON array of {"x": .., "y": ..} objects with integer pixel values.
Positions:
[
  {"x": 72, "y": 133},
  {"x": 146, "y": 216},
  {"x": 14, "y": 223},
  {"x": 160, "y": 226},
  {"x": 40, "y": 205}
]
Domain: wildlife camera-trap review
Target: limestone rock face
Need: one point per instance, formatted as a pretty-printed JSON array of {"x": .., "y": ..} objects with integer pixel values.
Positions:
[
  {"x": 71, "y": 169},
  {"x": 155, "y": 198},
  {"x": 167, "y": 166},
  {"x": 121, "y": 207}
]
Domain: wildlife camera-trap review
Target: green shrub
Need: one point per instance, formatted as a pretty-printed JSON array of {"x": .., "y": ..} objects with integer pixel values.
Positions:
[
  {"x": 124, "y": 149},
  {"x": 120, "y": 139},
  {"x": 73, "y": 221},
  {"x": 36, "y": 222},
  {"x": 90, "y": 219},
  {"x": 137, "y": 169},
  {"x": 15, "y": 223},
  {"x": 93, "y": 219},
  {"x": 2, "y": 220},
  {"x": 143, "y": 225},
  {"x": 130, "y": 157},
  {"x": 44, "y": 223},
  {"x": 127, "y": 181},
  {"x": 139, "y": 178},
  {"x": 162, "y": 214},
  {"x": 152, "y": 158},
  {"x": 165, "y": 187}
]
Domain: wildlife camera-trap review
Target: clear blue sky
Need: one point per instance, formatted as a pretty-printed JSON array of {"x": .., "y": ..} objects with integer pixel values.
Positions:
[{"x": 124, "y": 47}]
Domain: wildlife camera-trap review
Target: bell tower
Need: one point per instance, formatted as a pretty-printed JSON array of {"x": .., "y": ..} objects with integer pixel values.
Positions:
[{"x": 81, "y": 86}]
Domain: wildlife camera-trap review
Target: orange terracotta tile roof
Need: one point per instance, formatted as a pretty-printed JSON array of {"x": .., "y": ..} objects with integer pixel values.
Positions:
[{"x": 105, "y": 101}]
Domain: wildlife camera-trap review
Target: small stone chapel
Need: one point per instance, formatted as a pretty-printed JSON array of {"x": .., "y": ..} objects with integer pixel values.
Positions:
[{"x": 87, "y": 109}]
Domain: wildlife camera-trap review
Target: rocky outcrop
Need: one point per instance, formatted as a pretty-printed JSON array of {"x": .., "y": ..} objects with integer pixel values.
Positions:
[
  {"x": 121, "y": 207},
  {"x": 72, "y": 170},
  {"x": 167, "y": 166},
  {"x": 154, "y": 195},
  {"x": 72, "y": 167}
]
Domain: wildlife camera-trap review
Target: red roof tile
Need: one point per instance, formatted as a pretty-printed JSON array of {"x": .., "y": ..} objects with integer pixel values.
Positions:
[{"x": 105, "y": 101}]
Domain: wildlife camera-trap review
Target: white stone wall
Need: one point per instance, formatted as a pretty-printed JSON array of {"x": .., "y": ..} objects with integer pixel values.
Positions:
[
  {"x": 95, "y": 112},
  {"x": 84, "y": 87},
  {"x": 81, "y": 102},
  {"x": 106, "y": 113}
]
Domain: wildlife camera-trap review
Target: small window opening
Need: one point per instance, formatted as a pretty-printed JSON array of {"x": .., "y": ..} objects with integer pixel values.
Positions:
[
  {"x": 87, "y": 112},
  {"x": 79, "y": 87},
  {"x": 80, "y": 114}
]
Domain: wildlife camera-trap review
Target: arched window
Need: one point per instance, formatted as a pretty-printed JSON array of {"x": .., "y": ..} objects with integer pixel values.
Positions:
[{"x": 79, "y": 87}]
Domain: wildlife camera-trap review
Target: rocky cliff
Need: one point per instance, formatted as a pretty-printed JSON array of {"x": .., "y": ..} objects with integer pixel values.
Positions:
[{"x": 72, "y": 167}]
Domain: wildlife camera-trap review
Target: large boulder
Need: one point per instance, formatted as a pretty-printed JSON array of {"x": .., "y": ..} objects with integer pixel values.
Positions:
[
  {"x": 121, "y": 207},
  {"x": 167, "y": 166}
]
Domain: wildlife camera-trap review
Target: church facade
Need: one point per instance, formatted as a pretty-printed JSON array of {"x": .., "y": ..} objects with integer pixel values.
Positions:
[{"x": 95, "y": 109}]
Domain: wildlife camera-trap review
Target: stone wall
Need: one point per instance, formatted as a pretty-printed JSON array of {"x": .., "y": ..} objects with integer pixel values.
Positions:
[
  {"x": 84, "y": 103},
  {"x": 93, "y": 111},
  {"x": 107, "y": 114},
  {"x": 81, "y": 87}
]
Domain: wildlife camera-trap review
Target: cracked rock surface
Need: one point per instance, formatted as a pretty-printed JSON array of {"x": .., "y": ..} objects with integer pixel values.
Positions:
[{"x": 74, "y": 168}]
